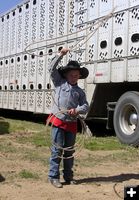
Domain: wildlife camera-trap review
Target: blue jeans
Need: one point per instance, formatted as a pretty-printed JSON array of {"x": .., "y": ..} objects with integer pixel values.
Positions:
[{"x": 63, "y": 139}]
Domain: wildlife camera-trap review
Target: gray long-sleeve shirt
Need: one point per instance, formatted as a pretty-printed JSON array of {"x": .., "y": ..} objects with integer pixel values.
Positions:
[{"x": 66, "y": 96}]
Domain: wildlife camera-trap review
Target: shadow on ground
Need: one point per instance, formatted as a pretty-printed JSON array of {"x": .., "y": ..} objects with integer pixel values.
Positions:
[
  {"x": 2, "y": 178},
  {"x": 117, "y": 178}
]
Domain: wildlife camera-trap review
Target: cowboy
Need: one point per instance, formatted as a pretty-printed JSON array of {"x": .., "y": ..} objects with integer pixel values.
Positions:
[{"x": 72, "y": 99}]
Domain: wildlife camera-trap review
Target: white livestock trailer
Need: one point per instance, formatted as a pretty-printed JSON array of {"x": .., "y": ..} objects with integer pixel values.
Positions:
[{"x": 103, "y": 35}]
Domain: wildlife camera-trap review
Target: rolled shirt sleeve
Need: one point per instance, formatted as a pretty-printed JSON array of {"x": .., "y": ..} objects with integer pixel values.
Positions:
[
  {"x": 55, "y": 76},
  {"x": 83, "y": 106}
]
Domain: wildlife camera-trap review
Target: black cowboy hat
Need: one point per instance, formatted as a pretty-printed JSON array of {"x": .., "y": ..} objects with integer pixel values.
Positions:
[{"x": 74, "y": 65}]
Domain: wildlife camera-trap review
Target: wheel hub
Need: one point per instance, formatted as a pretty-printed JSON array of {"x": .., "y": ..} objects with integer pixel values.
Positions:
[
  {"x": 129, "y": 119},
  {"x": 133, "y": 119}
]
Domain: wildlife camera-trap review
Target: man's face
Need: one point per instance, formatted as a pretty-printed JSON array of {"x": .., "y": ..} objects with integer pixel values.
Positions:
[{"x": 72, "y": 76}]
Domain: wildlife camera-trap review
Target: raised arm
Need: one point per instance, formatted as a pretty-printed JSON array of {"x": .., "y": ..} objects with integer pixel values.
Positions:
[{"x": 55, "y": 76}]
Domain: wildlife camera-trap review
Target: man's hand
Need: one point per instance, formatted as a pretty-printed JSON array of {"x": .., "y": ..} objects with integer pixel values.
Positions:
[
  {"x": 72, "y": 112},
  {"x": 64, "y": 51}
]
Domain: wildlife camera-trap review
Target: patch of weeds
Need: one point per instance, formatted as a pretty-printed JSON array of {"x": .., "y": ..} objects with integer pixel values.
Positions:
[
  {"x": 7, "y": 148},
  {"x": 91, "y": 160},
  {"x": 38, "y": 139},
  {"x": 103, "y": 143},
  {"x": 27, "y": 174},
  {"x": 41, "y": 140},
  {"x": 127, "y": 156},
  {"x": 36, "y": 156},
  {"x": 23, "y": 126}
]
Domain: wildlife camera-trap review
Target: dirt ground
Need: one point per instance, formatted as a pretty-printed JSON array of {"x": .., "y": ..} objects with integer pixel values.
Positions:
[{"x": 95, "y": 180}]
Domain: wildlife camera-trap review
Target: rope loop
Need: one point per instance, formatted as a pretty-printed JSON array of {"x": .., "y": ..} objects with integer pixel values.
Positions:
[
  {"x": 78, "y": 146},
  {"x": 77, "y": 46}
]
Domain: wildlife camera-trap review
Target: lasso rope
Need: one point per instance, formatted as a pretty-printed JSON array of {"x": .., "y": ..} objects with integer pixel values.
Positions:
[
  {"x": 88, "y": 36},
  {"x": 116, "y": 192},
  {"x": 69, "y": 148},
  {"x": 75, "y": 47}
]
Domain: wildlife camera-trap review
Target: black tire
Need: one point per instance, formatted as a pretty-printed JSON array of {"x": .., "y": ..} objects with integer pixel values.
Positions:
[{"x": 126, "y": 118}]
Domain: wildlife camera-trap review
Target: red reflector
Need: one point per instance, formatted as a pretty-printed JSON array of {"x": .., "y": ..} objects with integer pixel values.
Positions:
[{"x": 99, "y": 74}]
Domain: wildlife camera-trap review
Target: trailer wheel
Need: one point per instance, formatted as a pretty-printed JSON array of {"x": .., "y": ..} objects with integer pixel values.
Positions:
[{"x": 126, "y": 118}]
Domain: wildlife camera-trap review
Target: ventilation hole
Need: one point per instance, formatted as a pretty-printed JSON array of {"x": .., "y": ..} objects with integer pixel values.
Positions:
[
  {"x": 14, "y": 13},
  {"x": 50, "y": 51},
  {"x": 6, "y": 62},
  {"x": 32, "y": 56},
  {"x": 34, "y": 2},
  {"x": 24, "y": 87},
  {"x": 118, "y": 41},
  {"x": 103, "y": 44},
  {"x": 1, "y": 63},
  {"x": 7, "y": 16},
  {"x": 11, "y": 87},
  {"x": 131, "y": 49},
  {"x": 48, "y": 86},
  {"x": 5, "y": 87},
  {"x": 39, "y": 86},
  {"x": 2, "y": 19},
  {"x": 60, "y": 48},
  {"x": 41, "y": 53},
  {"x": 135, "y": 37},
  {"x": 27, "y": 6},
  {"x": 12, "y": 60},
  {"x": 25, "y": 57},
  {"x": 0, "y": 87},
  {"x": 31, "y": 86},
  {"x": 20, "y": 10},
  {"x": 17, "y": 87},
  {"x": 18, "y": 59}
]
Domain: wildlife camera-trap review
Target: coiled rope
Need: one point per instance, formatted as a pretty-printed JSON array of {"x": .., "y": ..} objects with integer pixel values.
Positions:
[{"x": 78, "y": 145}]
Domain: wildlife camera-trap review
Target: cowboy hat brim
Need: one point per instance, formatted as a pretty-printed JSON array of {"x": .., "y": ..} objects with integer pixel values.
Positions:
[{"x": 83, "y": 71}]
